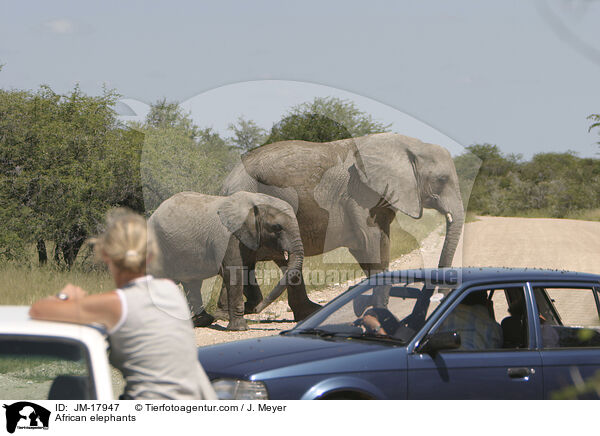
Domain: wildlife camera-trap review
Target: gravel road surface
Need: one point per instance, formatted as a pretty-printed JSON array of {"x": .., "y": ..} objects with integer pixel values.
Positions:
[{"x": 489, "y": 241}]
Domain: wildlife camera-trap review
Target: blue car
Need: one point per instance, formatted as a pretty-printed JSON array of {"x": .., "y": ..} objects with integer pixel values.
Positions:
[{"x": 478, "y": 333}]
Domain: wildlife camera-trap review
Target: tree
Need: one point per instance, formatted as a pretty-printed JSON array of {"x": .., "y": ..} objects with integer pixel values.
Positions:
[
  {"x": 467, "y": 166},
  {"x": 596, "y": 124},
  {"x": 550, "y": 184},
  {"x": 307, "y": 127},
  {"x": 493, "y": 161},
  {"x": 13, "y": 213},
  {"x": 180, "y": 156},
  {"x": 325, "y": 119},
  {"x": 164, "y": 114},
  {"x": 64, "y": 161},
  {"x": 247, "y": 135},
  {"x": 343, "y": 112},
  {"x": 491, "y": 192}
]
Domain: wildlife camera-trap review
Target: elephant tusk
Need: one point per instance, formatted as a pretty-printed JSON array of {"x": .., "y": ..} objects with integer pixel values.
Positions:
[
  {"x": 285, "y": 254},
  {"x": 449, "y": 217}
]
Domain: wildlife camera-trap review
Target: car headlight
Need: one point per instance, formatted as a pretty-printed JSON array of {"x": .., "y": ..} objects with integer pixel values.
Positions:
[{"x": 231, "y": 389}]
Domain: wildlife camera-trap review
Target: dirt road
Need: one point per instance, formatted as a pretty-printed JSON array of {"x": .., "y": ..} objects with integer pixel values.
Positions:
[
  {"x": 489, "y": 241},
  {"x": 528, "y": 242}
]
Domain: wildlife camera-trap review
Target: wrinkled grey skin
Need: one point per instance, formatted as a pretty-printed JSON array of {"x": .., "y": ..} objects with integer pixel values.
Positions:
[
  {"x": 346, "y": 193},
  {"x": 199, "y": 236}
]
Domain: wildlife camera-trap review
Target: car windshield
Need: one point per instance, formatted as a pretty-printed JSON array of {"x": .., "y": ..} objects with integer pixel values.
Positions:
[{"x": 399, "y": 309}]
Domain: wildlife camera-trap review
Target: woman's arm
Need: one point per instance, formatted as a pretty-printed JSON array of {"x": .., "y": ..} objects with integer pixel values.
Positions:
[
  {"x": 79, "y": 308},
  {"x": 373, "y": 325}
]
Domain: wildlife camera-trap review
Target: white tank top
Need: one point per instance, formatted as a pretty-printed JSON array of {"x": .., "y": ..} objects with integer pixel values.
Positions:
[{"x": 153, "y": 343}]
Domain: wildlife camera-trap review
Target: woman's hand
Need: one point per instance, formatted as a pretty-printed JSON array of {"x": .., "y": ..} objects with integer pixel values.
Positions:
[
  {"x": 78, "y": 307},
  {"x": 372, "y": 325},
  {"x": 73, "y": 292}
]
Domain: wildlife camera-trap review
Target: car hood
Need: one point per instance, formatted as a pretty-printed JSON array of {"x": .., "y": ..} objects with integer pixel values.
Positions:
[{"x": 254, "y": 358}]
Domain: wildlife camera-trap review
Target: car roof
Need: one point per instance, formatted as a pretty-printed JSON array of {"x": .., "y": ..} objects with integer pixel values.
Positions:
[
  {"x": 456, "y": 276},
  {"x": 13, "y": 313},
  {"x": 15, "y": 320}
]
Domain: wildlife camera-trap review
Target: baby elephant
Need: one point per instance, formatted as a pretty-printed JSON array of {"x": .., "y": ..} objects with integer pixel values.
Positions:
[{"x": 199, "y": 236}]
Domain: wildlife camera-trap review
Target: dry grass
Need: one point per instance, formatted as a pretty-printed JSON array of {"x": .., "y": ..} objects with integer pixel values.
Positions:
[
  {"x": 581, "y": 214},
  {"x": 585, "y": 215},
  {"x": 21, "y": 285}
]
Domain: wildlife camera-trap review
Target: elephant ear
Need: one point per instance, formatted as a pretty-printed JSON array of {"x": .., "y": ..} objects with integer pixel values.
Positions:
[
  {"x": 386, "y": 165},
  {"x": 240, "y": 215}
]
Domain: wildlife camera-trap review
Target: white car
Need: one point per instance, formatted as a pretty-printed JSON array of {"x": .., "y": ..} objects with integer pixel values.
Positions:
[{"x": 42, "y": 360}]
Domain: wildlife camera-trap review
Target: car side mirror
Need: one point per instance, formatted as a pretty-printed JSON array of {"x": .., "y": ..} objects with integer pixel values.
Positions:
[{"x": 440, "y": 341}]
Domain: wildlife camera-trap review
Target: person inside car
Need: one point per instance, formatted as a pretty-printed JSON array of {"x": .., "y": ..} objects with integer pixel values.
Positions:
[
  {"x": 472, "y": 319},
  {"x": 148, "y": 320},
  {"x": 379, "y": 321}
]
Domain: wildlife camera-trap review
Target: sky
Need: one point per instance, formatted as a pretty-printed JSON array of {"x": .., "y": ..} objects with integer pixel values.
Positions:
[{"x": 521, "y": 75}]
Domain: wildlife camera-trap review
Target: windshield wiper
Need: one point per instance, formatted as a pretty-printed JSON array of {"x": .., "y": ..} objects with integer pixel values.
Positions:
[
  {"x": 316, "y": 332},
  {"x": 328, "y": 334},
  {"x": 371, "y": 337}
]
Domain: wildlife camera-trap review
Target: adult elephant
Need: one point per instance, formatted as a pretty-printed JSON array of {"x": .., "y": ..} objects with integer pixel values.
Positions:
[
  {"x": 346, "y": 193},
  {"x": 200, "y": 236}
]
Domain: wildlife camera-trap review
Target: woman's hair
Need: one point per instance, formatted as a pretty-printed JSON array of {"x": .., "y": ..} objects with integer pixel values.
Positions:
[{"x": 126, "y": 240}]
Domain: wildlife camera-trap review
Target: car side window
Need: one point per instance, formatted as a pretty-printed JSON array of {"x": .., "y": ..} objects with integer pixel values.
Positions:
[
  {"x": 489, "y": 320},
  {"x": 568, "y": 317},
  {"x": 43, "y": 368}
]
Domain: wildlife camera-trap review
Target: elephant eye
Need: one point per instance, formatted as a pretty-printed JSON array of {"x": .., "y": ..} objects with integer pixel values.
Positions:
[{"x": 276, "y": 228}]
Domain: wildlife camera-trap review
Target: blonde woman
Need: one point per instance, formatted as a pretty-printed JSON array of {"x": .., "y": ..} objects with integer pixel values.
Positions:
[{"x": 148, "y": 320}]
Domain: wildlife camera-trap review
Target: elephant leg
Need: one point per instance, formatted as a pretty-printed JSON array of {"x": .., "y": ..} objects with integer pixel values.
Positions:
[
  {"x": 384, "y": 247},
  {"x": 233, "y": 280},
  {"x": 298, "y": 299},
  {"x": 371, "y": 261},
  {"x": 381, "y": 294},
  {"x": 222, "y": 305},
  {"x": 200, "y": 317},
  {"x": 252, "y": 291}
]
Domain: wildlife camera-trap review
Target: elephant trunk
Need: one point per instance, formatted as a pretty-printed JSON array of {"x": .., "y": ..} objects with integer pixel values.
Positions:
[
  {"x": 291, "y": 276},
  {"x": 454, "y": 225}
]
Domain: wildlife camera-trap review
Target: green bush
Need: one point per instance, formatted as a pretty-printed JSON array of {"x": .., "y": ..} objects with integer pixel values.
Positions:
[{"x": 550, "y": 184}]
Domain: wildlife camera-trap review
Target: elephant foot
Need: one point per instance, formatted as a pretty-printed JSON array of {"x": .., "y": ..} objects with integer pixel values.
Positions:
[
  {"x": 203, "y": 319},
  {"x": 308, "y": 309},
  {"x": 237, "y": 324}
]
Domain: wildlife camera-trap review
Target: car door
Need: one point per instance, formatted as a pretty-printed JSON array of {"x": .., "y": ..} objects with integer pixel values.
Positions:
[
  {"x": 568, "y": 329},
  {"x": 497, "y": 368},
  {"x": 41, "y": 367}
]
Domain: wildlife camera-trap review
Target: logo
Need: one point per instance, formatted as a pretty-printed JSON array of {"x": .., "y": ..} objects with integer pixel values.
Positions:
[{"x": 26, "y": 415}]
